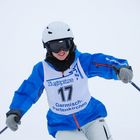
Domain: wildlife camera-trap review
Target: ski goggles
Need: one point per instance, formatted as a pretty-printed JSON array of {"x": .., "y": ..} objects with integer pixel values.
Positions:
[{"x": 58, "y": 45}]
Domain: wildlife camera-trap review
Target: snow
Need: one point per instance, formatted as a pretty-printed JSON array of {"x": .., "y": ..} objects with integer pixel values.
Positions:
[{"x": 111, "y": 27}]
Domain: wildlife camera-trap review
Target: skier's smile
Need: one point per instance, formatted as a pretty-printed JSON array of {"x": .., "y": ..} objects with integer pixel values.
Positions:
[{"x": 61, "y": 55}]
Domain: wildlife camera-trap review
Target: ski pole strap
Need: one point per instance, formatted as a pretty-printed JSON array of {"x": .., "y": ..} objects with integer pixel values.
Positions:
[
  {"x": 132, "y": 83},
  {"x": 3, "y": 129}
]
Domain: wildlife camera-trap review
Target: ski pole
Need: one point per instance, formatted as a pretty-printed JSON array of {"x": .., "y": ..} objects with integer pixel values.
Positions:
[
  {"x": 3, "y": 129},
  {"x": 133, "y": 84}
]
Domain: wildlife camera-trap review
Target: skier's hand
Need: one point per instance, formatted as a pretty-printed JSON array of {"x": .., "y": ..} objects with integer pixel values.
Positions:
[
  {"x": 12, "y": 121},
  {"x": 125, "y": 74}
]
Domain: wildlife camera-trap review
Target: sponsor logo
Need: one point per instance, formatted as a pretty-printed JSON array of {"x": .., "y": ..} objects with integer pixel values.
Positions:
[
  {"x": 67, "y": 79},
  {"x": 60, "y": 82}
]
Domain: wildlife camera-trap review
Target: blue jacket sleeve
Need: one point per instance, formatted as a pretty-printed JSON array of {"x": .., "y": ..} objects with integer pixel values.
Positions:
[
  {"x": 101, "y": 65},
  {"x": 29, "y": 91}
]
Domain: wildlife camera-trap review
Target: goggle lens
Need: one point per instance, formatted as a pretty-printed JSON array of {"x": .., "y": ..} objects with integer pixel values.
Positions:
[{"x": 58, "y": 45}]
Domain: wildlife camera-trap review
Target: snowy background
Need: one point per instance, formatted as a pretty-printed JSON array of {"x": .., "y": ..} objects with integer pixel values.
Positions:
[{"x": 108, "y": 26}]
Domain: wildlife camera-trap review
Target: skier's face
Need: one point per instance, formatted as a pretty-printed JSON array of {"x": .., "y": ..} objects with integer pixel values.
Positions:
[{"x": 61, "y": 55}]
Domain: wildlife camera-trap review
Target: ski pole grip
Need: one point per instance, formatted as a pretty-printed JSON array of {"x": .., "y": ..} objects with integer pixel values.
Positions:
[{"x": 17, "y": 119}]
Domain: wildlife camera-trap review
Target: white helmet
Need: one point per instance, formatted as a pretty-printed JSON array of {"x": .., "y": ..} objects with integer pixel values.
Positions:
[{"x": 56, "y": 30}]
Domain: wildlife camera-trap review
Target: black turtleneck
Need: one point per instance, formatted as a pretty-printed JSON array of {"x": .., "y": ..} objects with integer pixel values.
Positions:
[{"x": 61, "y": 65}]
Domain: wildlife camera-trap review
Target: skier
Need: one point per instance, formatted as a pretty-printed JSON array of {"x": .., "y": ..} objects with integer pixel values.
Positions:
[{"x": 73, "y": 113}]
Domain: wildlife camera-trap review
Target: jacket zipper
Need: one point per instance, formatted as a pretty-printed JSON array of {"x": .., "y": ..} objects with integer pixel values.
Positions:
[
  {"x": 104, "y": 65},
  {"x": 62, "y": 73},
  {"x": 76, "y": 121}
]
